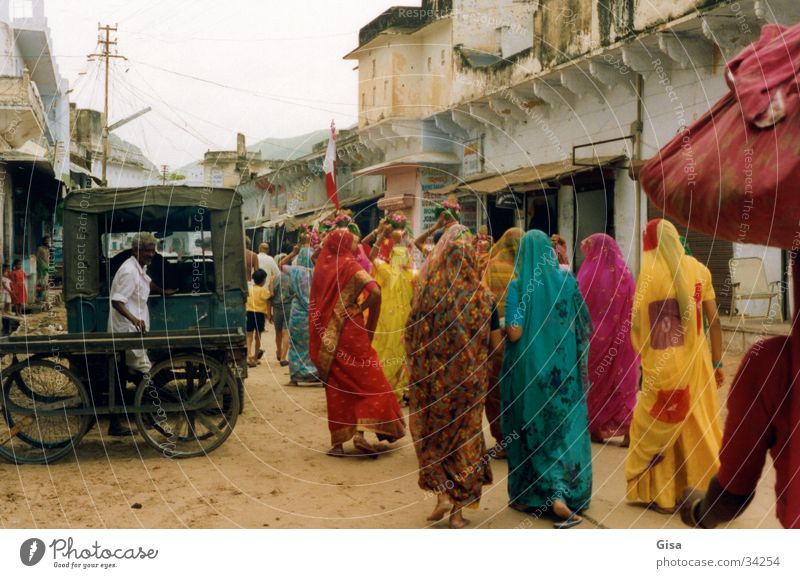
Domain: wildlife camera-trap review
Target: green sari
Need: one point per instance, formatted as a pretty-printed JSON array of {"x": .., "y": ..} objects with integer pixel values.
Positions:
[{"x": 545, "y": 379}]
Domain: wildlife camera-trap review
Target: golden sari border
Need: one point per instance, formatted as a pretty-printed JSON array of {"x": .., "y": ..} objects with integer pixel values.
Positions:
[{"x": 330, "y": 337}]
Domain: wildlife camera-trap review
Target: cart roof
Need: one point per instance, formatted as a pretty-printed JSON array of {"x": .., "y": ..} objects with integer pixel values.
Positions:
[{"x": 107, "y": 199}]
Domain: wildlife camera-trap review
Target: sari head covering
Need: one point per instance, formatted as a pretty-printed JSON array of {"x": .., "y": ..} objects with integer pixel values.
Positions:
[
  {"x": 560, "y": 247},
  {"x": 483, "y": 246},
  {"x": 396, "y": 281},
  {"x": 447, "y": 342},
  {"x": 337, "y": 277},
  {"x": 607, "y": 286},
  {"x": 303, "y": 258},
  {"x": 675, "y": 433},
  {"x": 300, "y": 271},
  {"x": 434, "y": 260},
  {"x": 356, "y": 391},
  {"x": 502, "y": 261},
  {"x": 544, "y": 382}
]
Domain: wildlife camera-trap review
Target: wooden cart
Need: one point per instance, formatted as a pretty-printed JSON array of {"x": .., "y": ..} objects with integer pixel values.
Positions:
[{"x": 55, "y": 387}]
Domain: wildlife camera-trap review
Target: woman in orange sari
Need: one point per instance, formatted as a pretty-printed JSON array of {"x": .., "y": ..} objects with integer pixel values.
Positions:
[{"x": 359, "y": 397}]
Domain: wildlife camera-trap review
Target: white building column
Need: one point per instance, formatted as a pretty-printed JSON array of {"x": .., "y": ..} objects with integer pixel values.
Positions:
[
  {"x": 566, "y": 217},
  {"x": 625, "y": 217}
]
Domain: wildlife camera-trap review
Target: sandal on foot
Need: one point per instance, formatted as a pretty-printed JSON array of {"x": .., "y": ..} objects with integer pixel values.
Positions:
[
  {"x": 336, "y": 452},
  {"x": 573, "y": 520},
  {"x": 365, "y": 447}
]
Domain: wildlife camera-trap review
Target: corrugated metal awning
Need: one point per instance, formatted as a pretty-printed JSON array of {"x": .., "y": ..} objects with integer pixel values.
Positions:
[{"x": 537, "y": 177}]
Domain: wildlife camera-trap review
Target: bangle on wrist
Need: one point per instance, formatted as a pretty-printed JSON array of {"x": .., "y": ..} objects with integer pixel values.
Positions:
[{"x": 717, "y": 365}]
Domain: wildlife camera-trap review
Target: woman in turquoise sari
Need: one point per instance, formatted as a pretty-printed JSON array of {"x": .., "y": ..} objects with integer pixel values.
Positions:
[
  {"x": 544, "y": 404},
  {"x": 301, "y": 369}
]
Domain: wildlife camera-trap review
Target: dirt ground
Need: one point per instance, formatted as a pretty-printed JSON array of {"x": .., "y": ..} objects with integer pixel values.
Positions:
[{"x": 273, "y": 473}]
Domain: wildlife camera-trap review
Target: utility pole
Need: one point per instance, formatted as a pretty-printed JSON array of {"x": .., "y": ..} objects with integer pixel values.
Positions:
[
  {"x": 164, "y": 170},
  {"x": 106, "y": 43}
]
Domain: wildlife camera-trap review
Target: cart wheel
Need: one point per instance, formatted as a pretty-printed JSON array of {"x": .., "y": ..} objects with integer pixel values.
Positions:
[
  {"x": 33, "y": 386},
  {"x": 187, "y": 380}
]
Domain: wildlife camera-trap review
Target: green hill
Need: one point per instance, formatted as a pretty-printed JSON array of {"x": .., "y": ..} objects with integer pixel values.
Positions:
[{"x": 287, "y": 149}]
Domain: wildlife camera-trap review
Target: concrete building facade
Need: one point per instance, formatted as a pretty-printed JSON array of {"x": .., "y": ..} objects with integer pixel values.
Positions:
[
  {"x": 34, "y": 133},
  {"x": 536, "y": 109}
]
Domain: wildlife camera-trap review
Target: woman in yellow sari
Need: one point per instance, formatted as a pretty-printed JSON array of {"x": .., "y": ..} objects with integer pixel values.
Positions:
[
  {"x": 675, "y": 434},
  {"x": 499, "y": 273},
  {"x": 395, "y": 280}
]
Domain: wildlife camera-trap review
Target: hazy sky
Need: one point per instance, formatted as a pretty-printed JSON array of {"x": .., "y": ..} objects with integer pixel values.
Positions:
[{"x": 283, "y": 61}]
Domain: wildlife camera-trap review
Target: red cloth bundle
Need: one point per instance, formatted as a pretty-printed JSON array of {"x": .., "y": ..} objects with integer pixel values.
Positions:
[{"x": 732, "y": 173}]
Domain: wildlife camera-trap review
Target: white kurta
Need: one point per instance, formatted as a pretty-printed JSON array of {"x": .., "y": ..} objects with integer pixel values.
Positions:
[
  {"x": 131, "y": 286},
  {"x": 268, "y": 265}
]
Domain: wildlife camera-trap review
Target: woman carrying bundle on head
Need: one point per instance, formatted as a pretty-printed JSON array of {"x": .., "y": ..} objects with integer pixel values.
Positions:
[
  {"x": 447, "y": 214},
  {"x": 359, "y": 398},
  {"x": 395, "y": 278},
  {"x": 447, "y": 342},
  {"x": 299, "y": 266}
]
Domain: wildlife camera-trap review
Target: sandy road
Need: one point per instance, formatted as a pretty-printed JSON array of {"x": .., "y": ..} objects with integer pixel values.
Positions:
[{"x": 273, "y": 473}]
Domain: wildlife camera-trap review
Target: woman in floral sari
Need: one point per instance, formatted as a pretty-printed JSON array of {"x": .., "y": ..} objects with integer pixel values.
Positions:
[
  {"x": 675, "y": 433},
  {"x": 447, "y": 341},
  {"x": 301, "y": 369},
  {"x": 608, "y": 286},
  {"x": 544, "y": 384},
  {"x": 358, "y": 396},
  {"x": 395, "y": 280},
  {"x": 499, "y": 274}
]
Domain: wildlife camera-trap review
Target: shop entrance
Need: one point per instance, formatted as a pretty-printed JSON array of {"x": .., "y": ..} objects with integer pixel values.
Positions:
[{"x": 542, "y": 211}]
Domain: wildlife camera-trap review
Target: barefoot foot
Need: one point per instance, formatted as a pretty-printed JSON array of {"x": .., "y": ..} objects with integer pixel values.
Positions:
[
  {"x": 364, "y": 446},
  {"x": 443, "y": 506},
  {"x": 457, "y": 519}
]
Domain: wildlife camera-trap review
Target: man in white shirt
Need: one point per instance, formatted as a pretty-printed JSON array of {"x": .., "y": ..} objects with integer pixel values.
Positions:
[
  {"x": 267, "y": 263},
  {"x": 130, "y": 290}
]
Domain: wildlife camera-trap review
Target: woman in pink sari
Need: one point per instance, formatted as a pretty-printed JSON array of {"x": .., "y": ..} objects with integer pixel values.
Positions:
[{"x": 608, "y": 286}]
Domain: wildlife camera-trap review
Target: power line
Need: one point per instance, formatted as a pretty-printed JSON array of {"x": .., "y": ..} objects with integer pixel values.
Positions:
[{"x": 277, "y": 98}]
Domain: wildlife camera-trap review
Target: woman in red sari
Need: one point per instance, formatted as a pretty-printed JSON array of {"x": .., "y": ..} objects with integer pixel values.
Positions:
[{"x": 358, "y": 395}]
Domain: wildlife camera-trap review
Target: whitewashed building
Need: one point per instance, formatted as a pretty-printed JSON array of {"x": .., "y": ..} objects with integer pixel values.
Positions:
[
  {"x": 34, "y": 132},
  {"x": 534, "y": 111}
]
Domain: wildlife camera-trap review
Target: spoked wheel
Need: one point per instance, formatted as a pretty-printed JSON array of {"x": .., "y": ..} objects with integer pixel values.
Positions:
[
  {"x": 37, "y": 425},
  {"x": 190, "y": 405}
]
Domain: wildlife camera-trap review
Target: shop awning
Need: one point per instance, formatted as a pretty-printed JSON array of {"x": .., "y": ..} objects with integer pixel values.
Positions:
[
  {"x": 534, "y": 178},
  {"x": 415, "y": 160},
  {"x": 275, "y": 222},
  {"x": 308, "y": 218}
]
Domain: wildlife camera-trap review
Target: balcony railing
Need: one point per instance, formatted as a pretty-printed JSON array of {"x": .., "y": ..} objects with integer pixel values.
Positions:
[{"x": 22, "y": 116}]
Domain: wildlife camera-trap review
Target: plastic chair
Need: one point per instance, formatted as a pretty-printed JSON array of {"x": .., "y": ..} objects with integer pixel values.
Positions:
[{"x": 749, "y": 282}]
